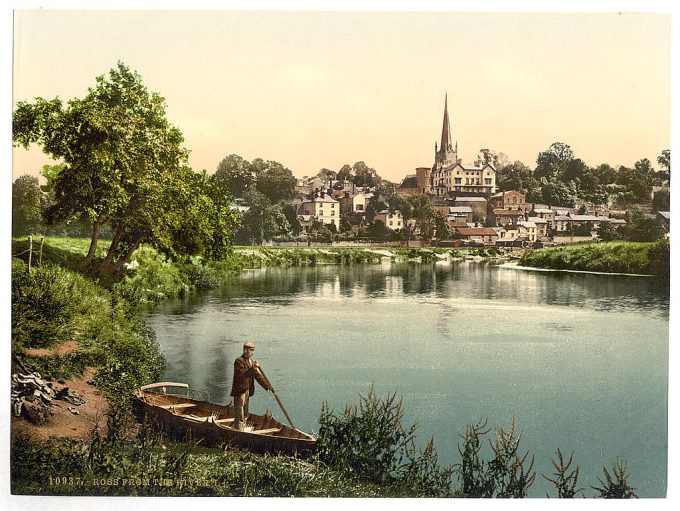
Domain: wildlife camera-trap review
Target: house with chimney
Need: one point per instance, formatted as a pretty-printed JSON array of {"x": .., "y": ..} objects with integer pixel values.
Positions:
[{"x": 322, "y": 207}]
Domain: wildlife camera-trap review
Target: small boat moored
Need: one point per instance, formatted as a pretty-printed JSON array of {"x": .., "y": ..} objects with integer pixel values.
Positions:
[{"x": 168, "y": 405}]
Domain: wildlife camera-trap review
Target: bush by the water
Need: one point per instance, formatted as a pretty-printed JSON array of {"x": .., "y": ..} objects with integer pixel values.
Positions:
[
  {"x": 611, "y": 257},
  {"x": 370, "y": 442}
]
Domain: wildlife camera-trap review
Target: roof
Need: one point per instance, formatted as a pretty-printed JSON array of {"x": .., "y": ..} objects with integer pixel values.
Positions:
[
  {"x": 476, "y": 231},
  {"x": 539, "y": 220},
  {"x": 388, "y": 212},
  {"x": 665, "y": 214},
  {"x": 325, "y": 198},
  {"x": 585, "y": 218},
  {"x": 563, "y": 218},
  {"x": 466, "y": 166},
  {"x": 470, "y": 199},
  {"x": 460, "y": 209},
  {"x": 542, "y": 210},
  {"x": 508, "y": 212},
  {"x": 619, "y": 221},
  {"x": 500, "y": 194},
  {"x": 526, "y": 224}
]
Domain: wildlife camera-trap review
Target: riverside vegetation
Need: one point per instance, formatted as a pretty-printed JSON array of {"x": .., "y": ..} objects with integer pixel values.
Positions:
[
  {"x": 364, "y": 451},
  {"x": 611, "y": 257}
]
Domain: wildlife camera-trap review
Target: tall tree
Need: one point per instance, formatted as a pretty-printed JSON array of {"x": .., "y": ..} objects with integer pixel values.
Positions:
[
  {"x": 554, "y": 160},
  {"x": 235, "y": 175},
  {"x": 124, "y": 163},
  {"x": 275, "y": 181},
  {"x": 27, "y": 203}
]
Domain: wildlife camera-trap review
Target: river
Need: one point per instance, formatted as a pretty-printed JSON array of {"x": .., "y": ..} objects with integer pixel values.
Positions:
[{"x": 581, "y": 360}]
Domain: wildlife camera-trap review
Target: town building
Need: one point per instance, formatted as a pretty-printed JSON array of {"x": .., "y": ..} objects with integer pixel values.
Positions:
[
  {"x": 503, "y": 217},
  {"x": 510, "y": 199},
  {"x": 393, "y": 220},
  {"x": 322, "y": 207},
  {"x": 485, "y": 235}
]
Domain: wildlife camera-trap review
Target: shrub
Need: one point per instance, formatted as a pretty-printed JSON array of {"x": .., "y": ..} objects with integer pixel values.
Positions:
[
  {"x": 506, "y": 474},
  {"x": 371, "y": 443},
  {"x": 42, "y": 306},
  {"x": 150, "y": 278},
  {"x": 615, "y": 485},
  {"x": 564, "y": 481}
]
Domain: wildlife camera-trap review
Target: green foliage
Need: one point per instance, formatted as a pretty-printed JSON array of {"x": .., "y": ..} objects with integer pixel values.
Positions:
[
  {"x": 507, "y": 474},
  {"x": 27, "y": 202},
  {"x": 52, "y": 301},
  {"x": 611, "y": 257},
  {"x": 125, "y": 167},
  {"x": 43, "y": 311},
  {"x": 615, "y": 485},
  {"x": 640, "y": 228},
  {"x": 370, "y": 442},
  {"x": 150, "y": 278},
  {"x": 148, "y": 465},
  {"x": 564, "y": 481}
]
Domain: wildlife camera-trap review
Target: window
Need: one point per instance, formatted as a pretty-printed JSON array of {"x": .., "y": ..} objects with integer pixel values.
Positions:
[
  {"x": 332, "y": 205},
  {"x": 360, "y": 207},
  {"x": 332, "y": 213}
]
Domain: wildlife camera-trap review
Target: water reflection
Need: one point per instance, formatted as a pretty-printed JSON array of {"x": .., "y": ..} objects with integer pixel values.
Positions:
[{"x": 467, "y": 279}]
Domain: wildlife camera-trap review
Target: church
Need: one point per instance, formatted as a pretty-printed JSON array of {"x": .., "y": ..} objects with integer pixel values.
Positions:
[{"x": 449, "y": 176}]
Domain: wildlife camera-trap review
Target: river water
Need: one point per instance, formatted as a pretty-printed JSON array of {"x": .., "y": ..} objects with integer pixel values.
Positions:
[{"x": 581, "y": 360}]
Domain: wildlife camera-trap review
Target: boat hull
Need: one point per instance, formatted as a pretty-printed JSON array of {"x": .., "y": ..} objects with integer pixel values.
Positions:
[{"x": 185, "y": 419}]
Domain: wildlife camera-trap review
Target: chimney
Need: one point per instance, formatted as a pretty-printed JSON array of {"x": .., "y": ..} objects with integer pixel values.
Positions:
[{"x": 322, "y": 194}]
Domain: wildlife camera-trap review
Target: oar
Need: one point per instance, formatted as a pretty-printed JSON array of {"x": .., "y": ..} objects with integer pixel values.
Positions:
[{"x": 276, "y": 396}]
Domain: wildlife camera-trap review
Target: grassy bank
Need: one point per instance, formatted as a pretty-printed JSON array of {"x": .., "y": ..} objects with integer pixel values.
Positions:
[{"x": 611, "y": 257}]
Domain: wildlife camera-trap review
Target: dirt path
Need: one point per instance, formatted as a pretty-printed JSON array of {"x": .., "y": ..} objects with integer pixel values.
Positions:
[{"x": 64, "y": 423}]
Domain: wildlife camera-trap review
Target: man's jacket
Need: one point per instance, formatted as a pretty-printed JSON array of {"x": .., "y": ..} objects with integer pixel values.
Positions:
[{"x": 244, "y": 377}]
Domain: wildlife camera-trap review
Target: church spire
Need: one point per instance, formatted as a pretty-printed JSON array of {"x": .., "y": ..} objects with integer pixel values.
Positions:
[
  {"x": 446, "y": 155},
  {"x": 446, "y": 144}
]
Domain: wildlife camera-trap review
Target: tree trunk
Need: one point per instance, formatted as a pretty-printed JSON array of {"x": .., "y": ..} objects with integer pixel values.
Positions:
[
  {"x": 120, "y": 229},
  {"x": 126, "y": 256},
  {"x": 93, "y": 244}
]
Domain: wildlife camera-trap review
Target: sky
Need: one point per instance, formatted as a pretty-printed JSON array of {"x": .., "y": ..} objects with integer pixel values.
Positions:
[{"x": 318, "y": 90}]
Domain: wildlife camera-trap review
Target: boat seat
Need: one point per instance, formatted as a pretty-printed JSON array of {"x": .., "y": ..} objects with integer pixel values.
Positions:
[
  {"x": 267, "y": 431},
  {"x": 178, "y": 406}
]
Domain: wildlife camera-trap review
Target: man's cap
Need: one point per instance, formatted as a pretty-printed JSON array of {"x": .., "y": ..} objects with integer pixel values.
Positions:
[{"x": 249, "y": 345}]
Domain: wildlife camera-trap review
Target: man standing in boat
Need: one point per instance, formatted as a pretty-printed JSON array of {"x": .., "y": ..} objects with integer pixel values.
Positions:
[{"x": 246, "y": 371}]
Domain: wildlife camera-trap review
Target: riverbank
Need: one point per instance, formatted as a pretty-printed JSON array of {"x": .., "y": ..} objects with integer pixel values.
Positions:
[{"x": 608, "y": 257}]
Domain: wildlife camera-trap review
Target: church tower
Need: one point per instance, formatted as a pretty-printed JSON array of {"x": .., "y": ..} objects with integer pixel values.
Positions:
[{"x": 447, "y": 155}]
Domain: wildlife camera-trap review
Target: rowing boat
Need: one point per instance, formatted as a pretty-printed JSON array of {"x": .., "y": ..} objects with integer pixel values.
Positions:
[{"x": 168, "y": 405}]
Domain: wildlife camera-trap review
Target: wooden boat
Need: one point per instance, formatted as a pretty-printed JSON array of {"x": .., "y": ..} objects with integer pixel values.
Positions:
[{"x": 168, "y": 405}]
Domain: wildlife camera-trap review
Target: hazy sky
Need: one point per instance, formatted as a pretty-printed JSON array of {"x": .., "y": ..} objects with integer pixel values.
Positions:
[{"x": 321, "y": 89}]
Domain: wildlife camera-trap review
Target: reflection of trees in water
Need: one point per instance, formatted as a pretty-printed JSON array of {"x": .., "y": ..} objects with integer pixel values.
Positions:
[{"x": 460, "y": 279}]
